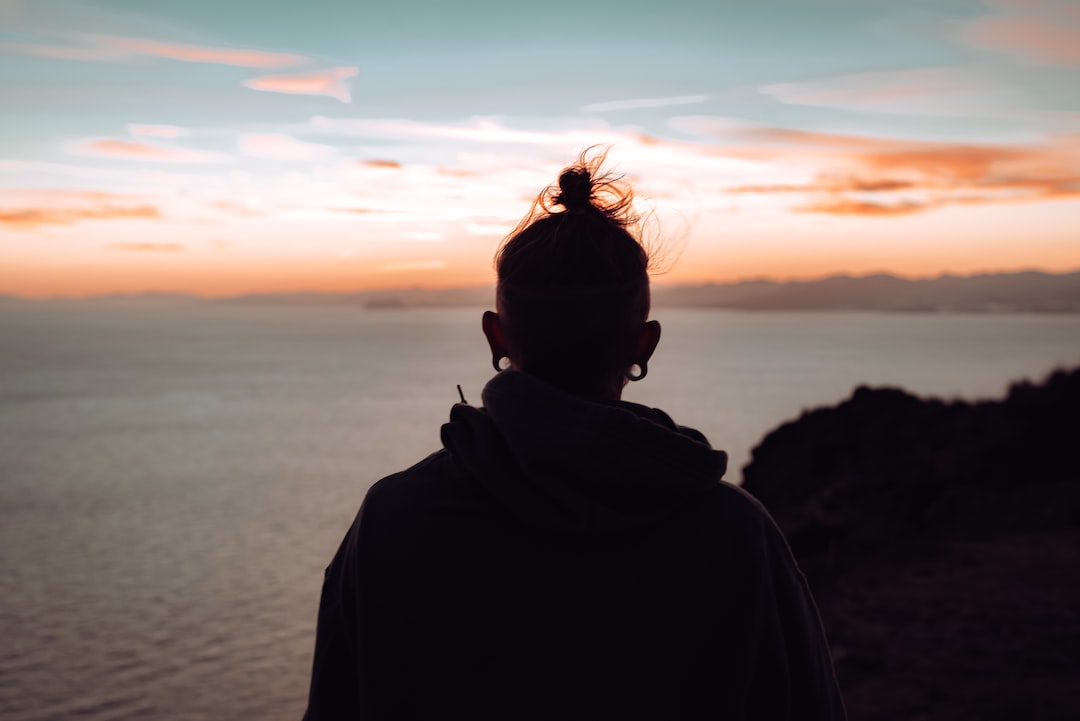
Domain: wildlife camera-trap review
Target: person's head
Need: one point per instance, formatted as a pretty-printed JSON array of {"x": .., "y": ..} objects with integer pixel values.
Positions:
[{"x": 573, "y": 287}]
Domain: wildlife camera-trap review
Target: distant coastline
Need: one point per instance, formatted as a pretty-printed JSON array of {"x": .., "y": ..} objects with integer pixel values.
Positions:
[{"x": 1016, "y": 292}]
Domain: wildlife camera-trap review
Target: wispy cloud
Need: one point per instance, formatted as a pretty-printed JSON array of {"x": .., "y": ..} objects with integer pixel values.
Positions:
[
  {"x": 126, "y": 149},
  {"x": 830, "y": 183},
  {"x": 917, "y": 91},
  {"x": 62, "y": 169},
  {"x": 332, "y": 82},
  {"x": 743, "y": 140},
  {"x": 1043, "y": 31},
  {"x": 480, "y": 130},
  {"x": 868, "y": 176},
  {"x": 241, "y": 57},
  {"x": 1037, "y": 40},
  {"x": 637, "y": 103},
  {"x": 112, "y": 48},
  {"x": 34, "y": 209},
  {"x": 277, "y": 146},
  {"x": 410, "y": 265},
  {"x": 167, "y": 132},
  {"x": 381, "y": 163},
  {"x": 850, "y": 206},
  {"x": 147, "y": 247},
  {"x": 90, "y": 53}
]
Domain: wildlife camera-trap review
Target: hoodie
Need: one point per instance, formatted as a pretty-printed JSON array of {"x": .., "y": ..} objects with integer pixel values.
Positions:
[{"x": 566, "y": 558}]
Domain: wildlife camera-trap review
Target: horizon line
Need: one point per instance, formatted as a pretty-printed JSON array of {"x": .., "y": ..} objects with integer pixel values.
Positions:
[{"x": 177, "y": 294}]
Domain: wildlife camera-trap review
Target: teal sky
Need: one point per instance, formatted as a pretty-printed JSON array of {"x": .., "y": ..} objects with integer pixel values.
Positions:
[{"x": 222, "y": 102}]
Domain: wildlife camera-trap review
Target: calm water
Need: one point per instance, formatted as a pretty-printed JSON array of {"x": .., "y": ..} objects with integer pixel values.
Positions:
[{"x": 172, "y": 482}]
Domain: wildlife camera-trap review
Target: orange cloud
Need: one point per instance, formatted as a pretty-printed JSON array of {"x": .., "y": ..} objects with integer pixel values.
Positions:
[
  {"x": 65, "y": 207},
  {"x": 1043, "y": 41},
  {"x": 410, "y": 266},
  {"x": 378, "y": 163},
  {"x": 811, "y": 140},
  {"x": 831, "y": 183},
  {"x": 194, "y": 53},
  {"x": 869, "y": 176},
  {"x": 1051, "y": 170},
  {"x": 110, "y": 48},
  {"x": 848, "y": 206},
  {"x": 137, "y": 150},
  {"x": 331, "y": 82},
  {"x": 147, "y": 247},
  {"x": 1042, "y": 31}
]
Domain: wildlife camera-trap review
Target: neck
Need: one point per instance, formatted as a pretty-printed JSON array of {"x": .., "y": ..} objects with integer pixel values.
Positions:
[{"x": 609, "y": 389}]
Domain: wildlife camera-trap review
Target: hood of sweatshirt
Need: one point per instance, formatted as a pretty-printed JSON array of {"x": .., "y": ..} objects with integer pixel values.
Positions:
[{"x": 568, "y": 464}]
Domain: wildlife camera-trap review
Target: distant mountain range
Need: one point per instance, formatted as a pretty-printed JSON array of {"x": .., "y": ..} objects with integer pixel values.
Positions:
[
  {"x": 1022, "y": 292},
  {"x": 1028, "y": 292}
]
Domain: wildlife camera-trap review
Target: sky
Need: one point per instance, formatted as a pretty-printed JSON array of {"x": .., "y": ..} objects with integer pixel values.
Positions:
[{"x": 222, "y": 148}]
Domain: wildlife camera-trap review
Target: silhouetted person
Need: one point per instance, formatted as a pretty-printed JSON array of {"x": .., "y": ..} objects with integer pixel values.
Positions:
[{"x": 567, "y": 554}]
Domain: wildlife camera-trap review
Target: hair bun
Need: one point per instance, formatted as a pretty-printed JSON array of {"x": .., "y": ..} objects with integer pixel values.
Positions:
[{"x": 575, "y": 189}]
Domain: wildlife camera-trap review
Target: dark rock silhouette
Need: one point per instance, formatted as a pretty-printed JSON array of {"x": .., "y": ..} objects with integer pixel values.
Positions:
[{"x": 942, "y": 540}]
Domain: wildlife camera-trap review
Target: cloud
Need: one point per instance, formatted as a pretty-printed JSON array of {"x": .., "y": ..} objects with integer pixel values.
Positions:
[
  {"x": 112, "y": 48},
  {"x": 331, "y": 82},
  {"x": 277, "y": 146},
  {"x": 739, "y": 138},
  {"x": 1042, "y": 31},
  {"x": 829, "y": 183},
  {"x": 379, "y": 163},
  {"x": 410, "y": 265},
  {"x": 861, "y": 175},
  {"x": 62, "y": 52},
  {"x": 916, "y": 91},
  {"x": 849, "y": 206},
  {"x": 125, "y": 149},
  {"x": 424, "y": 236},
  {"x": 248, "y": 209},
  {"x": 72, "y": 171},
  {"x": 481, "y": 130},
  {"x": 241, "y": 57},
  {"x": 1038, "y": 40},
  {"x": 40, "y": 208},
  {"x": 495, "y": 229},
  {"x": 643, "y": 103},
  {"x": 168, "y": 132},
  {"x": 147, "y": 247}
]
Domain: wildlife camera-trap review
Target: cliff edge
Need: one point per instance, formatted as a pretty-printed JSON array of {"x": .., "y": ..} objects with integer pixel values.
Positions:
[{"x": 942, "y": 541}]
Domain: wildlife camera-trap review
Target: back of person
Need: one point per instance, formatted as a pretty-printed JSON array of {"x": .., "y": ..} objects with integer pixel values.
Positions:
[{"x": 566, "y": 555}]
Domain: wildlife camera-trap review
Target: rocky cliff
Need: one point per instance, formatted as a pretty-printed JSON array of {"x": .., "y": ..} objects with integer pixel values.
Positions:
[{"x": 942, "y": 540}]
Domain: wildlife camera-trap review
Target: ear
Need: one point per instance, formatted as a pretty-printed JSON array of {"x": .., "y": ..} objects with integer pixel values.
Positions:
[
  {"x": 494, "y": 332},
  {"x": 647, "y": 340}
]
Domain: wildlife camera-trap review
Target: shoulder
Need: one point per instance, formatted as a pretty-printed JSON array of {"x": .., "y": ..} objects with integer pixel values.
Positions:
[
  {"x": 739, "y": 518},
  {"x": 414, "y": 499},
  {"x": 431, "y": 470},
  {"x": 734, "y": 504}
]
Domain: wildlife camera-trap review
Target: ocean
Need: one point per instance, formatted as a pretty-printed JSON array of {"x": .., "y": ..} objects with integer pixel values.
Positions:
[{"x": 174, "y": 479}]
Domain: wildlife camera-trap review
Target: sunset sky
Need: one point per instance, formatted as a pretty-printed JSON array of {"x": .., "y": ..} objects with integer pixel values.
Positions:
[{"x": 220, "y": 147}]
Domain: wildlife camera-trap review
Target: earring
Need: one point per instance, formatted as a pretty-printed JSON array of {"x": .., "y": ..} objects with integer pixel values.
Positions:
[
  {"x": 497, "y": 362},
  {"x": 642, "y": 371}
]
